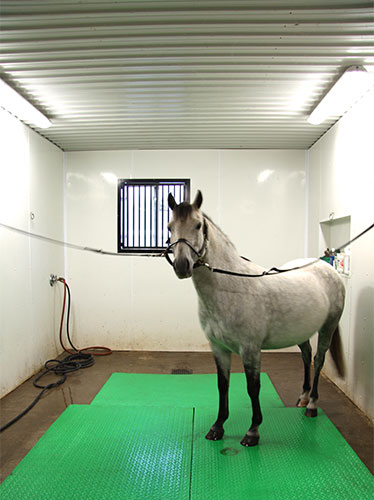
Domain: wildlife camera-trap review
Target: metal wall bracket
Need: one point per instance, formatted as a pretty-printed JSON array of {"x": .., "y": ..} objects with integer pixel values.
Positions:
[{"x": 52, "y": 279}]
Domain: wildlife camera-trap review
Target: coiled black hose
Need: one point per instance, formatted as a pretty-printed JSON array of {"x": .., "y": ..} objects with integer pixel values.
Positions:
[{"x": 71, "y": 363}]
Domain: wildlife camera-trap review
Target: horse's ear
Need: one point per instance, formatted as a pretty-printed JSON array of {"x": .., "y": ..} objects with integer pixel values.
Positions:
[
  {"x": 198, "y": 200},
  {"x": 171, "y": 201}
]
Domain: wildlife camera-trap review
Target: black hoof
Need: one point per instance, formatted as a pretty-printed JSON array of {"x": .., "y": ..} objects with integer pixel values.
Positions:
[
  {"x": 251, "y": 440},
  {"x": 311, "y": 412},
  {"x": 215, "y": 434}
]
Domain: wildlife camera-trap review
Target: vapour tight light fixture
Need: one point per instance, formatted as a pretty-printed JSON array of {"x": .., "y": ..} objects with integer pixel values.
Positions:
[
  {"x": 17, "y": 105},
  {"x": 354, "y": 82}
]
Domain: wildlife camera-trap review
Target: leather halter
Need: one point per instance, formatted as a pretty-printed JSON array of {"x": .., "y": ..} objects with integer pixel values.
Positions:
[{"x": 200, "y": 253}]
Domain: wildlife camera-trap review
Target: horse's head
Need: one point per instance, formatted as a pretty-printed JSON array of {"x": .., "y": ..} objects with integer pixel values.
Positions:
[{"x": 187, "y": 235}]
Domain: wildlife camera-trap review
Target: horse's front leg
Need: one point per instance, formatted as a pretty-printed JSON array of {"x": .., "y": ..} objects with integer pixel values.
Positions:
[
  {"x": 252, "y": 365},
  {"x": 223, "y": 362}
]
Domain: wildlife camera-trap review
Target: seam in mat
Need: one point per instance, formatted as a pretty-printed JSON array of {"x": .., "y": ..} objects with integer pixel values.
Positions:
[{"x": 193, "y": 432}]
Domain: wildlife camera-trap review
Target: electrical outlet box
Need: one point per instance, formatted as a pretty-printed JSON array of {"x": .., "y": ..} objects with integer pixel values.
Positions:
[{"x": 342, "y": 263}]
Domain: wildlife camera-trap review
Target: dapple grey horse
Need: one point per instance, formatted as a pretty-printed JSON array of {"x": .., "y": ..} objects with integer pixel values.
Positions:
[{"x": 246, "y": 314}]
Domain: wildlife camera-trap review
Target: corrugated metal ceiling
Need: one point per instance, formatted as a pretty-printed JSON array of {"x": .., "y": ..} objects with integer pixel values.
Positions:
[{"x": 181, "y": 74}]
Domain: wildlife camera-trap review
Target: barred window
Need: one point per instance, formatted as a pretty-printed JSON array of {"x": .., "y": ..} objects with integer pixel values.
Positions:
[{"x": 144, "y": 214}]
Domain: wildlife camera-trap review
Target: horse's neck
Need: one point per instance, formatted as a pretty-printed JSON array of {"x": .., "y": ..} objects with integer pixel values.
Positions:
[
  {"x": 222, "y": 254},
  {"x": 220, "y": 251}
]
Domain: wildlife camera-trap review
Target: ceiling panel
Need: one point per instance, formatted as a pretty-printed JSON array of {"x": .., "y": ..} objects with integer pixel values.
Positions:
[{"x": 182, "y": 74}]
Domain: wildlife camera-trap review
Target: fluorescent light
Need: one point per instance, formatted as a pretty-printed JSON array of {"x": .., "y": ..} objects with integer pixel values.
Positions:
[
  {"x": 354, "y": 82},
  {"x": 22, "y": 109}
]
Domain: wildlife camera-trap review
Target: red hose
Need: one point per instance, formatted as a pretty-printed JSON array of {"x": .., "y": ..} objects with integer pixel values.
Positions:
[{"x": 105, "y": 350}]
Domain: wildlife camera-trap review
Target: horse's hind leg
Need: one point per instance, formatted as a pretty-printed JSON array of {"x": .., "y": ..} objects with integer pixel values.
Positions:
[
  {"x": 223, "y": 362},
  {"x": 319, "y": 359},
  {"x": 324, "y": 340},
  {"x": 306, "y": 353}
]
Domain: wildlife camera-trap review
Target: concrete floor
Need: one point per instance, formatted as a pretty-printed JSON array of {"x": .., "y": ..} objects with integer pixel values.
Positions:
[{"x": 284, "y": 369}]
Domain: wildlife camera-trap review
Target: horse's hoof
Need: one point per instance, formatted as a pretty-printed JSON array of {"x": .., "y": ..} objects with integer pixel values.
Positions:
[
  {"x": 250, "y": 440},
  {"x": 214, "y": 434},
  {"x": 311, "y": 412}
]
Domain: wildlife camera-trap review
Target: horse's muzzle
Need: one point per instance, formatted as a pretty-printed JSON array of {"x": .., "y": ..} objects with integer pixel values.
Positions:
[{"x": 183, "y": 268}]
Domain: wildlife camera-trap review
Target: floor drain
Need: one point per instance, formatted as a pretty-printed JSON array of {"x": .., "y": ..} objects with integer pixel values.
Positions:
[
  {"x": 229, "y": 452},
  {"x": 181, "y": 371}
]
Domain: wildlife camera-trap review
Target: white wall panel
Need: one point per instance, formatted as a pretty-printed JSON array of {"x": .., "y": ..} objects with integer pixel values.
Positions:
[{"x": 263, "y": 204}]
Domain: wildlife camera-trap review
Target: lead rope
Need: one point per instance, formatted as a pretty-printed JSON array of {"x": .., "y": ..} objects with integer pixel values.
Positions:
[
  {"x": 270, "y": 272},
  {"x": 79, "y": 247}
]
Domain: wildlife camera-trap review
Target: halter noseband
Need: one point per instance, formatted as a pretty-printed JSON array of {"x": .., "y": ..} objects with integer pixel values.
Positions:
[{"x": 200, "y": 253}]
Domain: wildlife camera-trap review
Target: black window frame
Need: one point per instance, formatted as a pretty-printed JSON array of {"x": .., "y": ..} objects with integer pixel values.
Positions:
[{"x": 123, "y": 212}]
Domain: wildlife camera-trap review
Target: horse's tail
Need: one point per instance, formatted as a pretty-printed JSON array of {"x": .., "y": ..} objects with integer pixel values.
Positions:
[{"x": 336, "y": 351}]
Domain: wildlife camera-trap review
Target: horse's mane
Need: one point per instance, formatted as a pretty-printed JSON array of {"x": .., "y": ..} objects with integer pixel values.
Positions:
[{"x": 222, "y": 234}]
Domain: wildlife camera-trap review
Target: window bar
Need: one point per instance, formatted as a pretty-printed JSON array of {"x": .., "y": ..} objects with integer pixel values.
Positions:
[
  {"x": 156, "y": 216},
  {"x": 143, "y": 217},
  {"x": 165, "y": 208},
  {"x": 138, "y": 239},
  {"x": 140, "y": 216},
  {"x": 159, "y": 221},
  {"x": 123, "y": 218},
  {"x": 126, "y": 190},
  {"x": 146, "y": 217},
  {"x": 164, "y": 188},
  {"x": 132, "y": 216},
  {"x": 169, "y": 189},
  {"x": 174, "y": 194},
  {"x": 123, "y": 193},
  {"x": 133, "y": 206},
  {"x": 137, "y": 217},
  {"x": 153, "y": 224},
  {"x": 162, "y": 216},
  {"x": 150, "y": 215},
  {"x": 126, "y": 221},
  {"x": 126, "y": 234}
]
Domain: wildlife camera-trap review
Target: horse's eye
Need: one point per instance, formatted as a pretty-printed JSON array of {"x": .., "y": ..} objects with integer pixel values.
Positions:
[{"x": 198, "y": 226}]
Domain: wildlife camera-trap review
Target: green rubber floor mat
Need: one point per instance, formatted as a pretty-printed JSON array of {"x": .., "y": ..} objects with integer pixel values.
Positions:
[
  {"x": 297, "y": 458},
  {"x": 160, "y": 453},
  {"x": 108, "y": 453},
  {"x": 191, "y": 391}
]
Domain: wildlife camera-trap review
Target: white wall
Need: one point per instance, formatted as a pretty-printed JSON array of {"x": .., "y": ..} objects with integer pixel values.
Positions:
[
  {"x": 257, "y": 197},
  {"x": 31, "y": 180},
  {"x": 341, "y": 173}
]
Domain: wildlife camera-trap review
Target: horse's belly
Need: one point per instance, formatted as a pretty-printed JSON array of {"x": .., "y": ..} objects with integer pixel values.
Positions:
[
  {"x": 282, "y": 341},
  {"x": 297, "y": 328}
]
